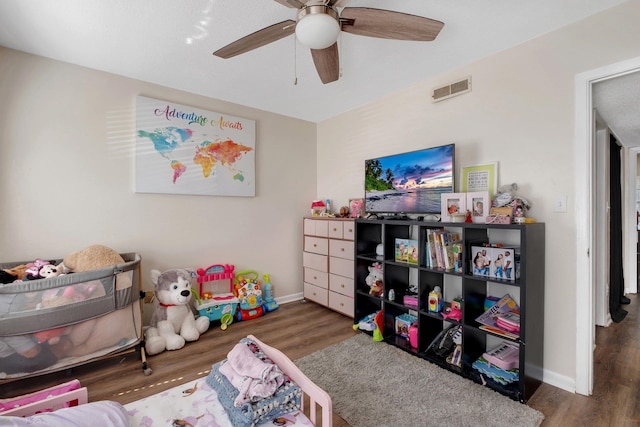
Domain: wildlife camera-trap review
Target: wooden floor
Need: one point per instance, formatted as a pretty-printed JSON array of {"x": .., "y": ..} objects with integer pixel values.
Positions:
[
  {"x": 616, "y": 392},
  {"x": 301, "y": 328}
]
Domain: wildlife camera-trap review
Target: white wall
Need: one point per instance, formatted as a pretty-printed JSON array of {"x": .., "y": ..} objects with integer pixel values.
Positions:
[
  {"x": 520, "y": 113},
  {"x": 67, "y": 143}
]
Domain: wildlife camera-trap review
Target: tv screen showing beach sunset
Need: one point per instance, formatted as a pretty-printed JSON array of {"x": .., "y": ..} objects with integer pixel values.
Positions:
[{"x": 409, "y": 182}]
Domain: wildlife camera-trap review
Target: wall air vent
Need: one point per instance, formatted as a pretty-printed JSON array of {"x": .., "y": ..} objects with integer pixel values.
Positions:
[{"x": 452, "y": 89}]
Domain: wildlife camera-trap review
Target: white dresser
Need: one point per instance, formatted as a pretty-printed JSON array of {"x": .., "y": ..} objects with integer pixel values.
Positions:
[{"x": 328, "y": 262}]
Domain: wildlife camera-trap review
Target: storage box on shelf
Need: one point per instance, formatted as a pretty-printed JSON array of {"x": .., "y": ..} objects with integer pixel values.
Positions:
[
  {"x": 460, "y": 286},
  {"x": 328, "y": 262}
]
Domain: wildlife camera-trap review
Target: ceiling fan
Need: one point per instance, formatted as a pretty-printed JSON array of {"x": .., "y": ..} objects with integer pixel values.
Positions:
[{"x": 319, "y": 24}]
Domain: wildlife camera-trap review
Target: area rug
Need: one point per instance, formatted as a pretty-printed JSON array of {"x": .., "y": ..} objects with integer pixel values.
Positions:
[{"x": 376, "y": 384}]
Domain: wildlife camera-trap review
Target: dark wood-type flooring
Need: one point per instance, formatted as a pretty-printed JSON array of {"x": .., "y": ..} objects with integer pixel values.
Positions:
[{"x": 299, "y": 329}]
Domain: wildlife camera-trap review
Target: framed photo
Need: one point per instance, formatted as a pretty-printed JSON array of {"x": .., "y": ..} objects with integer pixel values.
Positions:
[
  {"x": 356, "y": 208},
  {"x": 477, "y": 178},
  {"x": 452, "y": 203},
  {"x": 478, "y": 204}
]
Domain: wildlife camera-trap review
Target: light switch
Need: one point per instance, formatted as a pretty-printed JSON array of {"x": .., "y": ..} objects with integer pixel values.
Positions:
[{"x": 560, "y": 204}]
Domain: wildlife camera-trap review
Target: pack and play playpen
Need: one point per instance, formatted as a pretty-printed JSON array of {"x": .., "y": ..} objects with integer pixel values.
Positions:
[{"x": 53, "y": 324}]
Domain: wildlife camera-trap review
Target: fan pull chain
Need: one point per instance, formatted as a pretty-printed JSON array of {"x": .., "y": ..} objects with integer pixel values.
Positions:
[
  {"x": 340, "y": 54},
  {"x": 295, "y": 62}
]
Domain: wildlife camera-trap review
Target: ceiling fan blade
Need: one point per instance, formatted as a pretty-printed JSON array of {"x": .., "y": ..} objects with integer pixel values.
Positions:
[
  {"x": 327, "y": 63},
  {"x": 258, "y": 39},
  {"x": 387, "y": 24},
  {"x": 291, "y": 3},
  {"x": 336, "y": 3}
]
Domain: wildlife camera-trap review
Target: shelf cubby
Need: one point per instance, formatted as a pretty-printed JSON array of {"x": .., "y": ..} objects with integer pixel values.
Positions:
[{"x": 526, "y": 286}]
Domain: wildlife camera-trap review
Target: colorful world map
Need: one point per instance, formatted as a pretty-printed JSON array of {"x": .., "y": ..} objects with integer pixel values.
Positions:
[{"x": 207, "y": 155}]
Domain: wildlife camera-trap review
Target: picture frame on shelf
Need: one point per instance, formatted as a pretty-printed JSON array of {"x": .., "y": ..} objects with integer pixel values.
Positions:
[
  {"x": 478, "y": 203},
  {"x": 452, "y": 204},
  {"x": 356, "y": 208},
  {"x": 483, "y": 177}
]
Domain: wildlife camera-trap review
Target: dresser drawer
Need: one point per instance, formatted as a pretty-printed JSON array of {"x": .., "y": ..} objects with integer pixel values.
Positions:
[
  {"x": 341, "y": 230},
  {"x": 341, "y": 267},
  {"x": 316, "y": 227},
  {"x": 315, "y": 261},
  {"x": 340, "y": 284},
  {"x": 341, "y": 249},
  {"x": 335, "y": 229},
  {"x": 348, "y": 230},
  {"x": 315, "y": 277},
  {"x": 317, "y": 245},
  {"x": 316, "y": 294},
  {"x": 341, "y": 303}
]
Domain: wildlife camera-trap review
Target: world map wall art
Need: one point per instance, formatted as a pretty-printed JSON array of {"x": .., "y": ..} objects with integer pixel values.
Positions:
[{"x": 186, "y": 150}]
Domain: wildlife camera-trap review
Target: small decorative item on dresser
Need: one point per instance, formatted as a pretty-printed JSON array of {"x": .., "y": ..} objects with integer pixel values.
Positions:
[
  {"x": 318, "y": 208},
  {"x": 357, "y": 208},
  {"x": 344, "y": 211}
]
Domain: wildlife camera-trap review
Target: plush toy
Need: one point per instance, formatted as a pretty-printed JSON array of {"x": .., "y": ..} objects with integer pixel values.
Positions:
[
  {"x": 48, "y": 271},
  {"x": 7, "y": 277},
  {"x": 377, "y": 289},
  {"x": 93, "y": 257},
  {"x": 375, "y": 280},
  {"x": 33, "y": 269},
  {"x": 13, "y": 274},
  {"x": 173, "y": 322}
]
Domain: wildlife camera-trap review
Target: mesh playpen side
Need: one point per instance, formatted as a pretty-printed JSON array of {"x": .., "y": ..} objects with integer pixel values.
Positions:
[{"x": 48, "y": 325}]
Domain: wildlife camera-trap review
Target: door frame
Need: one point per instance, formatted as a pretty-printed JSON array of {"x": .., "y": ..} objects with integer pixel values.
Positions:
[{"x": 584, "y": 216}]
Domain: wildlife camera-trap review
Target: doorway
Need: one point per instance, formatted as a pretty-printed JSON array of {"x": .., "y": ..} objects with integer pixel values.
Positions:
[{"x": 585, "y": 216}]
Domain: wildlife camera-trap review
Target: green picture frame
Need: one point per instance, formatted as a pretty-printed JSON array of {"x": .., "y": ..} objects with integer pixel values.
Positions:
[{"x": 476, "y": 178}]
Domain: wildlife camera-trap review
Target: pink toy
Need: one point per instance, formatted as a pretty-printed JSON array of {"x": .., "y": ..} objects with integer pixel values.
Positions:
[
  {"x": 217, "y": 306},
  {"x": 452, "y": 313},
  {"x": 33, "y": 269},
  {"x": 413, "y": 335}
]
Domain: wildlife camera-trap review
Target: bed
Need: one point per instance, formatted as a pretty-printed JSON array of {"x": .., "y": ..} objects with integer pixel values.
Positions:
[
  {"x": 71, "y": 319},
  {"x": 192, "y": 401}
]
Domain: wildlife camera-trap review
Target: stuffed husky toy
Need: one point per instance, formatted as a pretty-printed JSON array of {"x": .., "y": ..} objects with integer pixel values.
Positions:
[{"x": 173, "y": 322}]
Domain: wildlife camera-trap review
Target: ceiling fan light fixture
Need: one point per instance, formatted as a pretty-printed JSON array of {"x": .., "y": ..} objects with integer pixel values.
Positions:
[{"x": 318, "y": 26}]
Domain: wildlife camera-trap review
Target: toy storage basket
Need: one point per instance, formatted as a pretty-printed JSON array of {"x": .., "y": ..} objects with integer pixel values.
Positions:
[{"x": 102, "y": 319}]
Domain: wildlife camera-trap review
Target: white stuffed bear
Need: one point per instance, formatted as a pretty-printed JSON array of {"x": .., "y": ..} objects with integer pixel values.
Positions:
[
  {"x": 173, "y": 322},
  {"x": 375, "y": 280}
]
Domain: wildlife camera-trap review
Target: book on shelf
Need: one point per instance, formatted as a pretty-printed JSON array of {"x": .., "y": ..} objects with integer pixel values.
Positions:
[
  {"x": 449, "y": 240},
  {"x": 498, "y": 331},
  {"x": 443, "y": 250},
  {"x": 430, "y": 247},
  {"x": 505, "y": 306},
  {"x": 412, "y": 252},
  {"x": 401, "y": 250},
  {"x": 436, "y": 248}
]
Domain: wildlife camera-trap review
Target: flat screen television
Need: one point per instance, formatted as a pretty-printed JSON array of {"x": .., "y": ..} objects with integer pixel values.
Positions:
[{"x": 409, "y": 183}]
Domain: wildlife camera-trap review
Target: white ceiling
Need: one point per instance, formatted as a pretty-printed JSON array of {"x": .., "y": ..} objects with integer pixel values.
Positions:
[
  {"x": 170, "y": 42},
  {"x": 617, "y": 101}
]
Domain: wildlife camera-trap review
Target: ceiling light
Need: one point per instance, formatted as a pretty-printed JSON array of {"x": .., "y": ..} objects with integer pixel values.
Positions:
[{"x": 318, "y": 26}]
